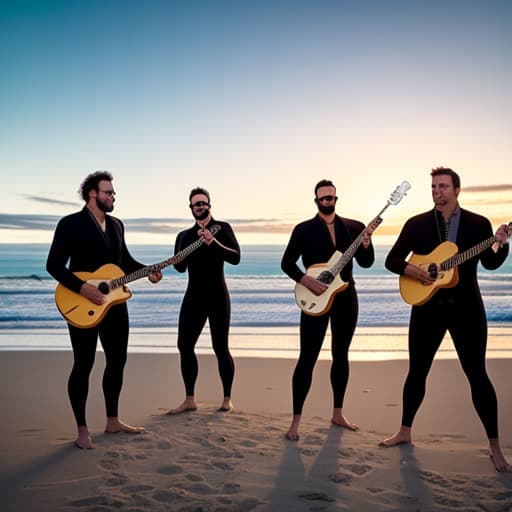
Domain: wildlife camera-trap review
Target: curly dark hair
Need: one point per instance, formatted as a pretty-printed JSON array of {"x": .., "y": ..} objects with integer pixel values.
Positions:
[{"x": 91, "y": 183}]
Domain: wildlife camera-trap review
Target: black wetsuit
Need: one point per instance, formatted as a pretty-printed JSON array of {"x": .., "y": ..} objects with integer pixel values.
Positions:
[
  {"x": 458, "y": 310},
  {"x": 311, "y": 241},
  {"x": 206, "y": 297},
  {"x": 80, "y": 241}
]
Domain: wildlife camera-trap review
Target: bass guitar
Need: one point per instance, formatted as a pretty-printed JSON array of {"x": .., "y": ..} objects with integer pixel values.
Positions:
[
  {"x": 329, "y": 273},
  {"x": 111, "y": 281},
  {"x": 442, "y": 266}
]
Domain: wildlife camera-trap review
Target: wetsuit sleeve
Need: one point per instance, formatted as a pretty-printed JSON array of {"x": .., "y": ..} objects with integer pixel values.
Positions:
[
  {"x": 182, "y": 265},
  {"x": 290, "y": 256},
  {"x": 227, "y": 238},
  {"x": 492, "y": 260},
  {"x": 365, "y": 257},
  {"x": 59, "y": 254},
  {"x": 396, "y": 259}
]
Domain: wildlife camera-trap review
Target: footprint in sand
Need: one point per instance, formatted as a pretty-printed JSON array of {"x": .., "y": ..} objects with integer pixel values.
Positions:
[
  {"x": 171, "y": 469},
  {"x": 340, "y": 478},
  {"x": 222, "y": 465},
  {"x": 116, "y": 480},
  {"x": 133, "y": 489}
]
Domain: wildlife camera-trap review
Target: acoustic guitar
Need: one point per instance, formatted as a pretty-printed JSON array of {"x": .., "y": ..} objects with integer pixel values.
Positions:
[
  {"x": 111, "y": 281},
  {"x": 329, "y": 273},
  {"x": 442, "y": 266}
]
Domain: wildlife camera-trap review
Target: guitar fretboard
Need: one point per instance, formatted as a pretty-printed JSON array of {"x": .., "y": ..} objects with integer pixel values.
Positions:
[
  {"x": 146, "y": 271},
  {"x": 347, "y": 255},
  {"x": 461, "y": 257}
]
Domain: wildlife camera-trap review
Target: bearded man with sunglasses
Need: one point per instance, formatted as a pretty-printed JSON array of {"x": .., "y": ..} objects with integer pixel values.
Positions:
[
  {"x": 315, "y": 241},
  {"x": 206, "y": 297}
]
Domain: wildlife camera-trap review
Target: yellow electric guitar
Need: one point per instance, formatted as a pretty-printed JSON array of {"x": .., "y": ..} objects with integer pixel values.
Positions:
[
  {"x": 442, "y": 266},
  {"x": 329, "y": 273},
  {"x": 111, "y": 281}
]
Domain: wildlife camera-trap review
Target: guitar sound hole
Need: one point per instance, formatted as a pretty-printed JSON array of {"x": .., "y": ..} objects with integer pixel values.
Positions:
[
  {"x": 432, "y": 271},
  {"x": 90, "y": 312},
  {"x": 325, "y": 277},
  {"x": 103, "y": 288}
]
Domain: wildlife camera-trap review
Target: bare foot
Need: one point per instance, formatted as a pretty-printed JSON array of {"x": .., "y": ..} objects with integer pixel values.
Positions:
[
  {"x": 84, "y": 441},
  {"x": 227, "y": 405},
  {"x": 497, "y": 457},
  {"x": 403, "y": 436},
  {"x": 114, "y": 425},
  {"x": 293, "y": 431},
  {"x": 189, "y": 404},
  {"x": 340, "y": 420}
]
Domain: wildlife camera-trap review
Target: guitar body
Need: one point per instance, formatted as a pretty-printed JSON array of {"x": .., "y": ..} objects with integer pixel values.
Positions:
[
  {"x": 81, "y": 312},
  {"x": 413, "y": 291},
  {"x": 316, "y": 305}
]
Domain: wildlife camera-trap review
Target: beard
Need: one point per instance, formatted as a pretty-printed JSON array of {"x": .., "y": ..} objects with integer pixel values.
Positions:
[
  {"x": 202, "y": 215},
  {"x": 326, "y": 210},
  {"x": 104, "y": 207}
]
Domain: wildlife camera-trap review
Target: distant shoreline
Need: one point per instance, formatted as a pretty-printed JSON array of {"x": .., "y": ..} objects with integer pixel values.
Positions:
[{"x": 369, "y": 343}]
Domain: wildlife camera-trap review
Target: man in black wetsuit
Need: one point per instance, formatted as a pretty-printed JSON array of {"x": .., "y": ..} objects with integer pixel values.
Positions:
[
  {"x": 206, "y": 297},
  {"x": 458, "y": 310},
  {"x": 90, "y": 239},
  {"x": 315, "y": 241}
]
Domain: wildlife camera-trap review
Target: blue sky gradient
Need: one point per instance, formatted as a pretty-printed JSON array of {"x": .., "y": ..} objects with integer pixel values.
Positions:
[{"x": 256, "y": 101}]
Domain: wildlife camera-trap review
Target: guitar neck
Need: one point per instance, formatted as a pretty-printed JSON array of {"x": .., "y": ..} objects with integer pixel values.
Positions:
[
  {"x": 347, "y": 255},
  {"x": 146, "y": 271},
  {"x": 461, "y": 257}
]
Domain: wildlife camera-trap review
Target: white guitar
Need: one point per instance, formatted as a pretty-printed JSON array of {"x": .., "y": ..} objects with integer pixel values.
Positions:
[{"x": 329, "y": 273}]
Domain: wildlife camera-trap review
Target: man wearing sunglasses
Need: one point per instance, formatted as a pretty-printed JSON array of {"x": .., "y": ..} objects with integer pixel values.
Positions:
[
  {"x": 90, "y": 239},
  {"x": 315, "y": 241},
  {"x": 206, "y": 297}
]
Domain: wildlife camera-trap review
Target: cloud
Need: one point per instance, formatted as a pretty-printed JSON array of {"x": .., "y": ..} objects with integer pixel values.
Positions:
[
  {"x": 143, "y": 225},
  {"x": 27, "y": 221},
  {"x": 488, "y": 188},
  {"x": 47, "y": 200}
]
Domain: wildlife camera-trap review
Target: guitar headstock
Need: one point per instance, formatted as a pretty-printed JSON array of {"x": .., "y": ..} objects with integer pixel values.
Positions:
[
  {"x": 399, "y": 192},
  {"x": 214, "y": 229}
]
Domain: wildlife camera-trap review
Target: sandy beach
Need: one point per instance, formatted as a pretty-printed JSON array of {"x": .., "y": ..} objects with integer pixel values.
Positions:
[{"x": 240, "y": 461}]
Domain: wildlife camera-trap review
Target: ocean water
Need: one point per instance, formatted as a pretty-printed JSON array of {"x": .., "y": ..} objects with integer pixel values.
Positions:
[{"x": 262, "y": 302}]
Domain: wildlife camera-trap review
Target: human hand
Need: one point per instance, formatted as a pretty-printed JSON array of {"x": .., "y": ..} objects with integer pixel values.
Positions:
[
  {"x": 155, "y": 277},
  {"x": 206, "y": 235},
  {"x": 367, "y": 238},
  {"x": 92, "y": 293},
  {"x": 313, "y": 285}
]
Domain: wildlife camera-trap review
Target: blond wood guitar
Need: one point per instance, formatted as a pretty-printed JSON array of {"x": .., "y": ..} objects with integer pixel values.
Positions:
[
  {"x": 442, "y": 266},
  {"x": 329, "y": 273},
  {"x": 111, "y": 281}
]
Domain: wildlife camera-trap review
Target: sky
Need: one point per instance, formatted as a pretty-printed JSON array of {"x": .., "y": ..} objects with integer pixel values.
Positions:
[{"x": 255, "y": 101}]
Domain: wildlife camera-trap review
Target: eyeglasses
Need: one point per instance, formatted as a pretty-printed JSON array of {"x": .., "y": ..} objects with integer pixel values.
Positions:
[
  {"x": 326, "y": 198},
  {"x": 109, "y": 193},
  {"x": 199, "y": 204}
]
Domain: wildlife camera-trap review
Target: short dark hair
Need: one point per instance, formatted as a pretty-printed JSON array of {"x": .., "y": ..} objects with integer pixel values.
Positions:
[
  {"x": 91, "y": 183},
  {"x": 324, "y": 183},
  {"x": 198, "y": 190},
  {"x": 446, "y": 171}
]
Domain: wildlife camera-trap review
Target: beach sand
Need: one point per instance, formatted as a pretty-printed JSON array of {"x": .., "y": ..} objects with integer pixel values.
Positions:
[{"x": 240, "y": 461}]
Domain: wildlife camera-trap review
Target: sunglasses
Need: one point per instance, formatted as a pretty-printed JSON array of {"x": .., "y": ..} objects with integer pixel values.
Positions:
[
  {"x": 326, "y": 198},
  {"x": 199, "y": 204},
  {"x": 109, "y": 193}
]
